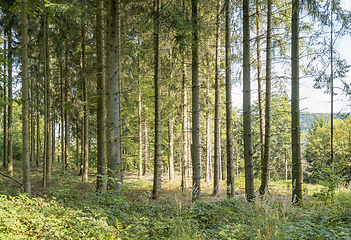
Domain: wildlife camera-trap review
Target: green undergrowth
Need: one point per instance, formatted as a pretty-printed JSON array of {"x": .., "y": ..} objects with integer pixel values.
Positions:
[{"x": 68, "y": 212}]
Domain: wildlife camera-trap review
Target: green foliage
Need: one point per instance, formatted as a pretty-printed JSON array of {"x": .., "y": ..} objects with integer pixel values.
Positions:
[
  {"x": 318, "y": 146},
  {"x": 280, "y": 136},
  {"x": 72, "y": 214},
  {"x": 37, "y": 218},
  {"x": 331, "y": 178}
]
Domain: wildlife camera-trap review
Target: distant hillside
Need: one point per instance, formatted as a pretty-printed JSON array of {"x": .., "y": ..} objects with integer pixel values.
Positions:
[{"x": 306, "y": 119}]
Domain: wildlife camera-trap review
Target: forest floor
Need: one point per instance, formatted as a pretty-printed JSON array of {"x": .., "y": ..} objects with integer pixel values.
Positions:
[{"x": 71, "y": 209}]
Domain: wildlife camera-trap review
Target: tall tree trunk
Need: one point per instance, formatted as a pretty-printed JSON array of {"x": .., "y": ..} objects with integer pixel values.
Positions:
[
  {"x": 184, "y": 162},
  {"x": 53, "y": 138},
  {"x": 4, "y": 163},
  {"x": 32, "y": 116},
  {"x": 195, "y": 103},
  {"x": 66, "y": 114},
  {"x": 140, "y": 168},
  {"x": 146, "y": 155},
  {"x": 80, "y": 161},
  {"x": 228, "y": 78},
  {"x": 37, "y": 89},
  {"x": 77, "y": 144},
  {"x": 101, "y": 110},
  {"x": 47, "y": 143},
  {"x": 286, "y": 165},
  {"x": 59, "y": 140},
  {"x": 170, "y": 128},
  {"x": 217, "y": 126},
  {"x": 208, "y": 136},
  {"x": 331, "y": 89},
  {"x": 158, "y": 157},
  {"x": 86, "y": 111},
  {"x": 265, "y": 164},
  {"x": 171, "y": 153},
  {"x": 25, "y": 101},
  {"x": 249, "y": 177},
  {"x": 62, "y": 116},
  {"x": 259, "y": 77},
  {"x": 113, "y": 97},
  {"x": 9, "y": 108},
  {"x": 295, "y": 108}
]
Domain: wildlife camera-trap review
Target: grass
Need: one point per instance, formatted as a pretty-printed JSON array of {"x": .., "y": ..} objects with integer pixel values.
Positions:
[{"x": 70, "y": 209}]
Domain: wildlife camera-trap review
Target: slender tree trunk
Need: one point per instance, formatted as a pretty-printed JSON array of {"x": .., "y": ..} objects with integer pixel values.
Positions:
[
  {"x": 59, "y": 140},
  {"x": 259, "y": 77},
  {"x": 184, "y": 162},
  {"x": 170, "y": 128},
  {"x": 265, "y": 164},
  {"x": 208, "y": 137},
  {"x": 25, "y": 101},
  {"x": 4, "y": 163},
  {"x": 295, "y": 106},
  {"x": 101, "y": 110},
  {"x": 47, "y": 143},
  {"x": 67, "y": 115},
  {"x": 171, "y": 143},
  {"x": 189, "y": 151},
  {"x": 53, "y": 124},
  {"x": 230, "y": 170},
  {"x": 38, "y": 121},
  {"x": 217, "y": 127},
  {"x": 86, "y": 110},
  {"x": 286, "y": 165},
  {"x": 158, "y": 157},
  {"x": 62, "y": 116},
  {"x": 9, "y": 108},
  {"x": 146, "y": 155},
  {"x": 113, "y": 97},
  {"x": 77, "y": 144},
  {"x": 249, "y": 177},
  {"x": 140, "y": 168},
  {"x": 80, "y": 161},
  {"x": 331, "y": 89},
  {"x": 196, "y": 193},
  {"x": 32, "y": 116}
]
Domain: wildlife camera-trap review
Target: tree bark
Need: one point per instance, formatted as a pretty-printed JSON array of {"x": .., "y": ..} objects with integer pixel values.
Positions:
[
  {"x": 9, "y": 107},
  {"x": 32, "y": 116},
  {"x": 101, "y": 110},
  {"x": 158, "y": 157},
  {"x": 185, "y": 144},
  {"x": 47, "y": 143},
  {"x": 53, "y": 138},
  {"x": 249, "y": 177},
  {"x": 295, "y": 106},
  {"x": 113, "y": 97},
  {"x": 146, "y": 155},
  {"x": 265, "y": 164},
  {"x": 259, "y": 77},
  {"x": 140, "y": 168},
  {"x": 4, "y": 163},
  {"x": 195, "y": 104},
  {"x": 86, "y": 110},
  {"x": 62, "y": 115},
  {"x": 25, "y": 101},
  {"x": 170, "y": 128},
  {"x": 217, "y": 127},
  {"x": 66, "y": 114},
  {"x": 208, "y": 136},
  {"x": 228, "y": 78},
  {"x": 77, "y": 143},
  {"x": 171, "y": 152},
  {"x": 38, "y": 120}
]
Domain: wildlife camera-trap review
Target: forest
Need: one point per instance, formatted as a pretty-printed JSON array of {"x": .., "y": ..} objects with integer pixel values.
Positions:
[{"x": 118, "y": 120}]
